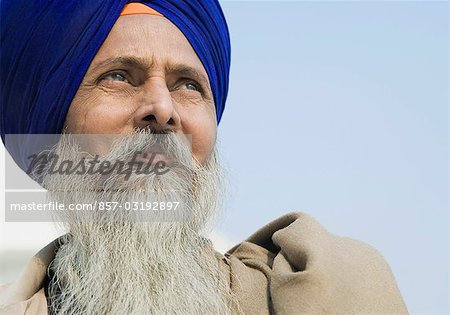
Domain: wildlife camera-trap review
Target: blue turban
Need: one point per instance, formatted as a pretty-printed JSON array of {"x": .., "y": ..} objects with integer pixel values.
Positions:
[{"x": 48, "y": 45}]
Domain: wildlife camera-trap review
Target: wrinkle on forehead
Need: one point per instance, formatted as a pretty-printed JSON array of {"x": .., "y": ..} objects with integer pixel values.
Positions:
[{"x": 152, "y": 38}]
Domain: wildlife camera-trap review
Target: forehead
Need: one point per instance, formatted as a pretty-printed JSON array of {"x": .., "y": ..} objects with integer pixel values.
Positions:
[{"x": 151, "y": 38}]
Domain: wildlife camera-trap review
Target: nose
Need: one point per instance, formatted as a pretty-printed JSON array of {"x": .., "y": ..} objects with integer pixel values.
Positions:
[{"x": 157, "y": 110}]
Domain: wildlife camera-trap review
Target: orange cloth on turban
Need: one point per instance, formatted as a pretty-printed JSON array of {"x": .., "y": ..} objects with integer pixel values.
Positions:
[{"x": 138, "y": 8}]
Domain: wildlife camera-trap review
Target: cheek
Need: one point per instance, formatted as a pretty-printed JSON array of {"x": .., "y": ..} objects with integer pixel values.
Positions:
[
  {"x": 203, "y": 129},
  {"x": 93, "y": 113}
]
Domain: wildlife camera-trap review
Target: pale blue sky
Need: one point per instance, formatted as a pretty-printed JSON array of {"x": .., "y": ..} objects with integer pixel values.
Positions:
[{"x": 340, "y": 109}]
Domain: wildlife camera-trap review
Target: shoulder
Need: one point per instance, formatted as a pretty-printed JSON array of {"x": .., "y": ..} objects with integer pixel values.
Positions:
[
  {"x": 26, "y": 294},
  {"x": 321, "y": 271},
  {"x": 13, "y": 303}
]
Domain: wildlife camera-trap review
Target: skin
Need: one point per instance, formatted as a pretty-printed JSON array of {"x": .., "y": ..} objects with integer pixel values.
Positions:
[{"x": 146, "y": 74}]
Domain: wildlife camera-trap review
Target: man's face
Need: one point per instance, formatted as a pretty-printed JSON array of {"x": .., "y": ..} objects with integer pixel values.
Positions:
[{"x": 146, "y": 74}]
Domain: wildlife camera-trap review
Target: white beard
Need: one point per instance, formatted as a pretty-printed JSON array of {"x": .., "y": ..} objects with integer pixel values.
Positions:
[{"x": 127, "y": 265}]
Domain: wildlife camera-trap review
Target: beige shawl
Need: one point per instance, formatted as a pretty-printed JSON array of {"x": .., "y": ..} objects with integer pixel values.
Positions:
[{"x": 290, "y": 266}]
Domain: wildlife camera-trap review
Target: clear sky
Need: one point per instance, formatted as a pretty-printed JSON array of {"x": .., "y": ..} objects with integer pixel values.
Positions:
[{"x": 338, "y": 109}]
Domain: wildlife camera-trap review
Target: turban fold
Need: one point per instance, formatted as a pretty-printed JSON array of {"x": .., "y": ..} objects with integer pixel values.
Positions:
[{"x": 48, "y": 45}]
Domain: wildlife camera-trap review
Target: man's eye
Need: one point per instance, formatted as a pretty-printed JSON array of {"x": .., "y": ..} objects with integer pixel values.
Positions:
[
  {"x": 192, "y": 86},
  {"x": 115, "y": 76}
]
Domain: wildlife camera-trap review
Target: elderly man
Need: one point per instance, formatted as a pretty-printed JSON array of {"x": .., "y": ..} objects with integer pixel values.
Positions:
[{"x": 155, "y": 74}]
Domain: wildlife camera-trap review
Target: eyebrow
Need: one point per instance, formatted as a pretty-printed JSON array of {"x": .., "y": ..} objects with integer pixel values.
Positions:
[
  {"x": 136, "y": 62},
  {"x": 123, "y": 61},
  {"x": 187, "y": 71}
]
